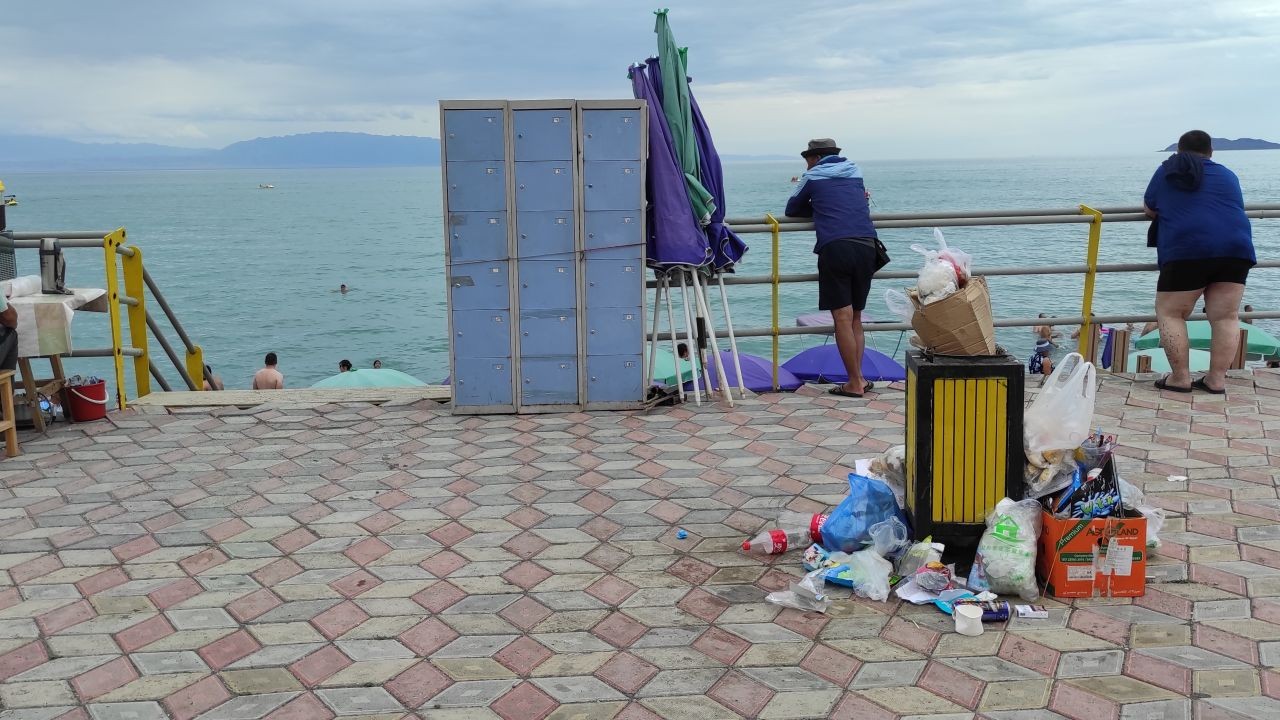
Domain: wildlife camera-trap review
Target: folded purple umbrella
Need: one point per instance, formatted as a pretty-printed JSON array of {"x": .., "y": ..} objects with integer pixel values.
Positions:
[
  {"x": 823, "y": 364},
  {"x": 757, "y": 374}
]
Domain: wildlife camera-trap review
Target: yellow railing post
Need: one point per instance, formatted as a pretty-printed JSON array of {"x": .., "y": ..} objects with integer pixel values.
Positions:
[
  {"x": 1090, "y": 275},
  {"x": 109, "y": 245},
  {"x": 776, "y": 282},
  {"x": 134, "y": 288},
  {"x": 195, "y": 366}
]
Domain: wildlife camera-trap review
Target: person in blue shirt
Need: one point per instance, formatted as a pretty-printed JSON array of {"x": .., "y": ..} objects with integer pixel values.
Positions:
[
  {"x": 1040, "y": 363},
  {"x": 831, "y": 192},
  {"x": 1204, "y": 246}
]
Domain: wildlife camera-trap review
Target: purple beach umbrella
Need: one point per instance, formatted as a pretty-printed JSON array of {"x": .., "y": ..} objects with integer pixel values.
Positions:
[
  {"x": 757, "y": 374},
  {"x": 823, "y": 364}
]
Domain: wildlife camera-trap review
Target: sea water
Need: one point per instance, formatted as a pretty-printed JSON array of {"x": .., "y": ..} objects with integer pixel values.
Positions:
[{"x": 250, "y": 271}]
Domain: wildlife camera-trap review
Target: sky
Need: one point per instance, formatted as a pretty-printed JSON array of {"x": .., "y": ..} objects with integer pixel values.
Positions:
[{"x": 889, "y": 80}]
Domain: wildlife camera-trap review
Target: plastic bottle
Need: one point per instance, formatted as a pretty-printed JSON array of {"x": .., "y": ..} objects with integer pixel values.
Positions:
[{"x": 794, "y": 530}]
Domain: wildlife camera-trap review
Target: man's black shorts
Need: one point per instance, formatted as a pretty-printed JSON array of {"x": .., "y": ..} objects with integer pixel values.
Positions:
[
  {"x": 845, "y": 268},
  {"x": 1184, "y": 275}
]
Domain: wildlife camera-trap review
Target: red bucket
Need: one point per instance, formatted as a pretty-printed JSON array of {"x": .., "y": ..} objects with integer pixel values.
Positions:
[{"x": 87, "y": 402}]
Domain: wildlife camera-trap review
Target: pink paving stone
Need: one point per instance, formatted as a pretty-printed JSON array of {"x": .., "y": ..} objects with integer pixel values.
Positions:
[
  {"x": 253, "y": 504},
  {"x": 526, "y": 575},
  {"x": 33, "y": 569},
  {"x": 391, "y": 499},
  {"x": 523, "y": 655},
  {"x": 9, "y": 597},
  {"x": 636, "y": 711},
  {"x": 910, "y": 636},
  {"x": 596, "y": 502},
  {"x": 612, "y": 590},
  {"x": 526, "y": 517},
  {"x": 427, "y": 637},
  {"x": 104, "y": 580},
  {"x": 439, "y": 596},
  {"x": 626, "y": 672},
  {"x": 462, "y": 486},
  {"x": 72, "y": 537},
  {"x": 380, "y": 522},
  {"x": 188, "y": 497},
  {"x": 224, "y": 651},
  {"x": 339, "y": 619},
  {"x": 740, "y": 694},
  {"x": 1165, "y": 603},
  {"x": 1266, "y": 609},
  {"x": 355, "y": 584},
  {"x": 143, "y": 634},
  {"x": 619, "y": 630},
  {"x": 135, "y": 548},
  {"x": 319, "y": 666},
  {"x": 281, "y": 569},
  {"x": 525, "y": 613},
  {"x": 856, "y": 707},
  {"x": 326, "y": 492},
  {"x": 1030, "y": 655},
  {"x": 74, "y": 714},
  {"x": 527, "y": 494},
  {"x": 456, "y": 507},
  {"x": 252, "y": 605},
  {"x": 22, "y": 659},
  {"x": 443, "y": 563},
  {"x": 304, "y": 707},
  {"x": 294, "y": 540},
  {"x": 525, "y": 545},
  {"x": 104, "y": 678},
  {"x": 591, "y": 479},
  {"x": 1099, "y": 626},
  {"x": 1224, "y": 643},
  {"x": 196, "y": 698},
  {"x": 667, "y": 511},
  {"x": 1077, "y": 704},
  {"x": 808, "y": 624},
  {"x": 525, "y": 702},
  {"x": 720, "y": 645},
  {"x": 1218, "y": 578},
  {"x": 831, "y": 664},
  {"x": 773, "y": 581},
  {"x": 694, "y": 572},
  {"x": 450, "y": 534},
  {"x": 161, "y": 522},
  {"x": 1158, "y": 672},
  {"x": 1271, "y": 683},
  {"x": 203, "y": 560},
  {"x": 175, "y": 592},
  {"x": 951, "y": 684},
  {"x": 418, "y": 684},
  {"x": 226, "y": 530},
  {"x": 55, "y": 621},
  {"x": 600, "y": 528}
]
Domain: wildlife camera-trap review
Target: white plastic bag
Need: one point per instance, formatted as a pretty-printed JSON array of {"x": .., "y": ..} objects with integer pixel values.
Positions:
[
  {"x": 899, "y": 305},
  {"x": 870, "y": 574},
  {"x": 806, "y": 595},
  {"x": 958, "y": 258},
  {"x": 919, "y": 555},
  {"x": 889, "y": 537},
  {"x": 945, "y": 270},
  {"x": 1060, "y": 416},
  {"x": 1006, "y": 559},
  {"x": 1133, "y": 499}
]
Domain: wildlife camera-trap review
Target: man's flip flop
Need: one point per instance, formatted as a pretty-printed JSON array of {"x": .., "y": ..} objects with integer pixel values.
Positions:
[
  {"x": 839, "y": 390},
  {"x": 1163, "y": 384},
  {"x": 1200, "y": 385}
]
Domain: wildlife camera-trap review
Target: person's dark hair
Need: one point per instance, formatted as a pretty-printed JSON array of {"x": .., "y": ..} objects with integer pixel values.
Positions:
[
  {"x": 1196, "y": 141},
  {"x": 271, "y": 359},
  {"x": 344, "y": 365}
]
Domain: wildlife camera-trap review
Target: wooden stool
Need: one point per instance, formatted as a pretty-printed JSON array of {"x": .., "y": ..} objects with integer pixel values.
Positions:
[{"x": 7, "y": 426}]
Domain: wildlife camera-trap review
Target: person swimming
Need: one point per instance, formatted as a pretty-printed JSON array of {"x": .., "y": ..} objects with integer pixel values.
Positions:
[{"x": 342, "y": 288}]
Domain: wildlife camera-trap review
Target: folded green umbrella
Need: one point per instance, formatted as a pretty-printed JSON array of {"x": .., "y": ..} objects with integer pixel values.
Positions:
[
  {"x": 370, "y": 378},
  {"x": 1261, "y": 343},
  {"x": 664, "y": 368},
  {"x": 1199, "y": 360}
]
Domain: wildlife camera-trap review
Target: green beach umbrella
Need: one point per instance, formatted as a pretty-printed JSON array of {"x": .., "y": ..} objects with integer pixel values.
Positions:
[
  {"x": 1199, "y": 360},
  {"x": 1260, "y": 342},
  {"x": 675, "y": 106},
  {"x": 664, "y": 368},
  {"x": 370, "y": 378}
]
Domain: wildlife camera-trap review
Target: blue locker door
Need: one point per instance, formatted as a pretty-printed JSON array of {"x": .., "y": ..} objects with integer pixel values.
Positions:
[
  {"x": 480, "y": 286},
  {"x": 614, "y": 283},
  {"x": 474, "y": 135},
  {"x": 541, "y": 234},
  {"x": 477, "y": 186},
  {"x": 481, "y": 333},
  {"x": 544, "y": 186},
  {"x": 612, "y": 229},
  {"x": 543, "y": 134},
  {"x": 482, "y": 381},
  {"x": 548, "y": 381},
  {"x": 611, "y": 185},
  {"x": 548, "y": 332},
  {"x": 548, "y": 285},
  {"x": 475, "y": 236},
  {"x": 614, "y": 331},
  {"x": 611, "y": 135},
  {"x": 615, "y": 378}
]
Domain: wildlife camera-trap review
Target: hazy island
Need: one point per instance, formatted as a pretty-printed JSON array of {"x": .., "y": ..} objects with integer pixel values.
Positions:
[{"x": 1237, "y": 144}]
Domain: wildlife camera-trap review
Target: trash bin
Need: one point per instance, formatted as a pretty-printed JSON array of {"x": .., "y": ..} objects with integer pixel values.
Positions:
[
  {"x": 87, "y": 402},
  {"x": 964, "y": 445}
]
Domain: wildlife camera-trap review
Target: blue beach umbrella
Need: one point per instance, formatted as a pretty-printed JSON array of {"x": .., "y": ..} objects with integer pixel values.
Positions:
[
  {"x": 370, "y": 378},
  {"x": 823, "y": 364}
]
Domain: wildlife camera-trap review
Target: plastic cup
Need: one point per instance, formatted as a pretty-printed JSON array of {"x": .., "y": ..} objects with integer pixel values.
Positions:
[{"x": 968, "y": 619}]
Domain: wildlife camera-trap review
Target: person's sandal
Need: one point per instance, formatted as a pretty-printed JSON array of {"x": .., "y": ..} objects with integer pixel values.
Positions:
[
  {"x": 1163, "y": 384},
  {"x": 1201, "y": 385}
]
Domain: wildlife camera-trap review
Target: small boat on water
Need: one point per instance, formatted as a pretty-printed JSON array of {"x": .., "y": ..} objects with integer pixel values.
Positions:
[
  {"x": 10, "y": 200},
  {"x": 265, "y": 186}
]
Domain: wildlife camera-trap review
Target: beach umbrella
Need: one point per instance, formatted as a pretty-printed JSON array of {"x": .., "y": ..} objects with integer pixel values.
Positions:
[
  {"x": 1199, "y": 360},
  {"x": 664, "y": 368},
  {"x": 370, "y": 378},
  {"x": 677, "y": 107},
  {"x": 823, "y": 364},
  {"x": 1199, "y": 334},
  {"x": 726, "y": 247},
  {"x": 757, "y": 374}
]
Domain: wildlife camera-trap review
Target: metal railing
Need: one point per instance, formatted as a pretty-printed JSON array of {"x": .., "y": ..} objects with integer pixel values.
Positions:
[
  {"x": 142, "y": 325},
  {"x": 1096, "y": 218}
]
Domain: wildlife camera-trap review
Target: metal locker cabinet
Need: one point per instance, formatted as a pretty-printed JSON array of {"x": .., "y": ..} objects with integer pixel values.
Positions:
[
  {"x": 612, "y": 185},
  {"x": 482, "y": 383},
  {"x": 548, "y": 284},
  {"x": 544, "y": 185},
  {"x": 481, "y": 333},
  {"x": 477, "y": 236},
  {"x": 611, "y": 134},
  {"x": 545, "y": 333},
  {"x": 608, "y": 229},
  {"x": 477, "y": 186},
  {"x": 549, "y": 381},
  {"x": 612, "y": 331},
  {"x": 614, "y": 283},
  {"x": 545, "y": 234},
  {"x": 475, "y": 134},
  {"x": 480, "y": 286},
  {"x": 543, "y": 134},
  {"x": 614, "y": 379}
]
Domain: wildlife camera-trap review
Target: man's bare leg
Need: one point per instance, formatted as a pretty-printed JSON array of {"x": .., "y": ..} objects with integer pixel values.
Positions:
[
  {"x": 1172, "y": 309},
  {"x": 850, "y": 341},
  {"x": 1222, "y": 303}
]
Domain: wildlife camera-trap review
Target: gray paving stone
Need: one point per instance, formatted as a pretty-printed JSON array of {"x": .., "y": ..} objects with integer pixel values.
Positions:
[
  {"x": 201, "y": 619},
  {"x": 296, "y": 611},
  {"x": 763, "y": 633},
  {"x": 669, "y": 683},
  {"x": 571, "y": 642},
  {"x": 359, "y": 701},
  {"x": 1133, "y": 614},
  {"x": 478, "y": 693},
  {"x": 991, "y": 669},
  {"x": 474, "y": 646},
  {"x": 1090, "y": 664},
  {"x": 887, "y": 674},
  {"x": 63, "y": 668},
  {"x": 1193, "y": 658},
  {"x": 783, "y": 679},
  {"x": 1158, "y": 710},
  {"x": 163, "y": 663},
  {"x": 276, "y": 656},
  {"x": 248, "y": 707},
  {"x": 1222, "y": 610},
  {"x": 1019, "y": 715},
  {"x": 1247, "y": 708},
  {"x": 579, "y": 689},
  {"x": 127, "y": 711},
  {"x": 362, "y": 650}
]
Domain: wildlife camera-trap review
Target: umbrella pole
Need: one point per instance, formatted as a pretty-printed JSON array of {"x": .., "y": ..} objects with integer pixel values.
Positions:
[
  {"x": 733, "y": 340},
  {"x": 652, "y": 345},
  {"x": 705, "y": 310},
  {"x": 675, "y": 346},
  {"x": 693, "y": 346}
]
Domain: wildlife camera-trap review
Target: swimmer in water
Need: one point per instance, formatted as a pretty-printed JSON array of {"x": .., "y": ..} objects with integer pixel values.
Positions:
[
  {"x": 344, "y": 366},
  {"x": 342, "y": 288},
  {"x": 377, "y": 364}
]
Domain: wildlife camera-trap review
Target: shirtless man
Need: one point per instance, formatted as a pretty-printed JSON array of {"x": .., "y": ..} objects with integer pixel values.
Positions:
[
  {"x": 1045, "y": 332},
  {"x": 268, "y": 378}
]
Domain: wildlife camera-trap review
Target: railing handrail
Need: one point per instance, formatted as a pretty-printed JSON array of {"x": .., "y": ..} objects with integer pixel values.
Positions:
[{"x": 1067, "y": 215}]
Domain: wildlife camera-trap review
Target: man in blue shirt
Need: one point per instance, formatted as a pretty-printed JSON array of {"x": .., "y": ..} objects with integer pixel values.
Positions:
[
  {"x": 832, "y": 193},
  {"x": 1204, "y": 245}
]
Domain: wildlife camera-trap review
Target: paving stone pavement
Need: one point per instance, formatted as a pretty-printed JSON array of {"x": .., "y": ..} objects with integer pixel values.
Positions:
[{"x": 395, "y": 560}]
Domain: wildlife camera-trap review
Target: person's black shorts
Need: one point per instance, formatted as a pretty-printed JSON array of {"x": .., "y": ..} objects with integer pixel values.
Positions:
[
  {"x": 1184, "y": 275},
  {"x": 845, "y": 268}
]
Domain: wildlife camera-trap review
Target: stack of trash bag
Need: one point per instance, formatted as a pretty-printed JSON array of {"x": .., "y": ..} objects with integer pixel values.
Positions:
[{"x": 945, "y": 270}]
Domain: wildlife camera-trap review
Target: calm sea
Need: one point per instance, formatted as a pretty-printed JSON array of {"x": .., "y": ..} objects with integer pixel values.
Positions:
[{"x": 250, "y": 271}]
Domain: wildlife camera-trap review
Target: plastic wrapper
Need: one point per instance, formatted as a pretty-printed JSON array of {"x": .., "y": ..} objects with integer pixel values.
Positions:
[
  {"x": 889, "y": 537},
  {"x": 899, "y": 305},
  {"x": 806, "y": 594},
  {"x": 1060, "y": 416},
  {"x": 917, "y": 556},
  {"x": 1135, "y": 500},
  {"x": 848, "y": 527},
  {"x": 945, "y": 270},
  {"x": 865, "y": 572},
  {"x": 1006, "y": 560},
  {"x": 934, "y": 577}
]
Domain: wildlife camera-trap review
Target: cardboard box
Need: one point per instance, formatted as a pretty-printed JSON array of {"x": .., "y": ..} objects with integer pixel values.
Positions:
[
  {"x": 1104, "y": 557},
  {"x": 959, "y": 324}
]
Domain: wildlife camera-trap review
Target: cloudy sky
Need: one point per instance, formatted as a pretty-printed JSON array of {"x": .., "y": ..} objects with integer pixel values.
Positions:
[{"x": 889, "y": 79}]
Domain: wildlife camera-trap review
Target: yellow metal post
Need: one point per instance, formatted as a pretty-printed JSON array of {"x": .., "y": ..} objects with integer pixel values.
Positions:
[
  {"x": 1090, "y": 275},
  {"x": 134, "y": 289},
  {"x": 195, "y": 366},
  {"x": 775, "y": 282},
  {"x": 109, "y": 245}
]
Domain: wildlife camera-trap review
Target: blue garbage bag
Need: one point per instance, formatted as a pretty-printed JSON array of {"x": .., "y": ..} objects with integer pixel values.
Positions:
[{"x": 870, "y": 501}]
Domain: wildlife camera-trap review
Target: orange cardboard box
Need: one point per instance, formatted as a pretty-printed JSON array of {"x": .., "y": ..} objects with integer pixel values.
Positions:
[{"x": 1104, "y": 557}]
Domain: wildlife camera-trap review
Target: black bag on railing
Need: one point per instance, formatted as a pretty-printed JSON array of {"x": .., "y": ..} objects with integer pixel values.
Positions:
[{"x": 1151, "y": 234}]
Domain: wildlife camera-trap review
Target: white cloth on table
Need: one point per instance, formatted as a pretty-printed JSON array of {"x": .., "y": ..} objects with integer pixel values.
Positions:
[{"x": 44, "y": 321}]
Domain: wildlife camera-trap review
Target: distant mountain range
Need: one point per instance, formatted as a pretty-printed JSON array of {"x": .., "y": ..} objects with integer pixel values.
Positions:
[
  {"x": 322, "y": 149},
  {"x": 1237, "y": 144}
]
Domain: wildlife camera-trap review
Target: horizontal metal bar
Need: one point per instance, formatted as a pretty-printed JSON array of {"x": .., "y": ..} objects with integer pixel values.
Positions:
[
  {"x": 129, "y": 300},
  {"x": 104, "y": 352},
  {"x": 59, "y": 234},
  {"x": 1106, "y": 210}
]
